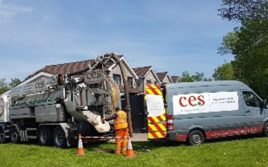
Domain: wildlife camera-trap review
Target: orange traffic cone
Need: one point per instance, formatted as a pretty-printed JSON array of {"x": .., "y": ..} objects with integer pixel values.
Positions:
[
  {"x": 80, "y": 149},
  {"x": 130, "y": 152}
]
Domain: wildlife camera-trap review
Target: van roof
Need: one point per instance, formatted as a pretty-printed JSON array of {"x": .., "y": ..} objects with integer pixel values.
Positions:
[{"x": 232, "y": 83}]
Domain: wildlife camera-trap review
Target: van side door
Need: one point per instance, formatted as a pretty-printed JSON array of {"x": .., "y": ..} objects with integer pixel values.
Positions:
[{"x": 254, "y": 114}]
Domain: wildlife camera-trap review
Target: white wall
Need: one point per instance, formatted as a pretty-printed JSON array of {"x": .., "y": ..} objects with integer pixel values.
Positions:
[
  {"x": 116, "y": 70},
  {"x": 4, "y": 107}
]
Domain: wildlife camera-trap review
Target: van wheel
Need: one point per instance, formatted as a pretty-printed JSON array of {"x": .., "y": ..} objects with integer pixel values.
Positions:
[
  {"x": 196, "y": 137},
  {"x": 44, "y": 136},
  {"x": 265, "y": 129},
  {"x": 59, "y": 138}
]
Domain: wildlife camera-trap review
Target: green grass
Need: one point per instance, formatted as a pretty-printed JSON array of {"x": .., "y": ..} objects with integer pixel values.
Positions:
[{"x": 242, "y": 153}]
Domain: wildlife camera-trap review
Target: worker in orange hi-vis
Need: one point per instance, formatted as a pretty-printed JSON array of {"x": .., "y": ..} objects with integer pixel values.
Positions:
[{"x": 121, "y": 130}]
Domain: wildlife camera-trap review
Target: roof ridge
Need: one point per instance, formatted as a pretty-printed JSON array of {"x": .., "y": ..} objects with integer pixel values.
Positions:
[
  {"x": 69, "y": 62},
  {"x": 142, "y": 67}
]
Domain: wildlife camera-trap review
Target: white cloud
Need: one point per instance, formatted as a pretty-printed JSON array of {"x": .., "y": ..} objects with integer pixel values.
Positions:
[{"x": 9, "y": 12}]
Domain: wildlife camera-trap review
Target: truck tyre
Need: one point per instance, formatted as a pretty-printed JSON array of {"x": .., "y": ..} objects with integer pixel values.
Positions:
[
  {"x": 2, "y": 136},
  {"x": 265, "y": 129},
  {"x": 59, "y": 139},
  {"x": 44, "y": 136},
  {"x": 196, "y": 137},
  {"x": 14, "y": 135}
]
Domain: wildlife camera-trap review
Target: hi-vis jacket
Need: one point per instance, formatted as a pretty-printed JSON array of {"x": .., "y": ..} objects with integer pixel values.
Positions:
[{"x": 121, "y": 120}]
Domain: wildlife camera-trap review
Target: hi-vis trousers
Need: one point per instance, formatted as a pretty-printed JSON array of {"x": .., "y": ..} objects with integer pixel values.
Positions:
[{"x": 121, "y": 139}]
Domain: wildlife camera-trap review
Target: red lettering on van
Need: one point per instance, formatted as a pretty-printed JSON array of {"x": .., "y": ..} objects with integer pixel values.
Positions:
[
  {"x": 191, "y": 101},
  {"x": 201, "y": 100},
  {"x": 181, "y": 100}
]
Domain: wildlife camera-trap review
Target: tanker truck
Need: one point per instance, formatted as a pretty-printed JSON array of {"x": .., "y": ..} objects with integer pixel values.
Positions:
[{"x": 54, "y": 109}]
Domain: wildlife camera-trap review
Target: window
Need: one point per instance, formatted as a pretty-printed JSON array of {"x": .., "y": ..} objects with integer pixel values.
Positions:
[
  {"x": 251, "y": 99},
  {"x": 117, "y": 79},
  {"x": 130, "y": 81}
]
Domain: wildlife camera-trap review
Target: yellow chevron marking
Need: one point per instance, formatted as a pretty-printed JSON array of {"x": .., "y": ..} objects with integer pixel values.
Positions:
[
  {"x": 150, "y": 136},
  {"x": 162, "y": 127},
  {"x": 156, "y": 120},
  {"x": 153, "y": 86},
  {"x": 152, "y": 127},
  {"x": 163, "y": 117},
  {"x": 159, "y": 135},
  {"x": 157, "y": 90},
  {"x": 149, "y": 91}
]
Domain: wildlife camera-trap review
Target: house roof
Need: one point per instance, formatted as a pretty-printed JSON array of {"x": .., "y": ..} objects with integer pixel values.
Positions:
[
  {"x": 64, "y": 68},
  {"x": 71, "y": 67},
  {"x": 161, "y": 75},
  {"x": 142, "y": 71},
  {"x": 175, "y": 79},
  {"x": 169, "y": 78},
  {"x": 122, "y": 58}
]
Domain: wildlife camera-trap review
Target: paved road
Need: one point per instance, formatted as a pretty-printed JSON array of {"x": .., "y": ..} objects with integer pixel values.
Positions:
[{"x": 139, "y": 137}]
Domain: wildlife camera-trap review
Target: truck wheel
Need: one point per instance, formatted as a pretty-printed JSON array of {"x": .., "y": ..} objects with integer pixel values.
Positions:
[
  {"x": 45, "y": 136},
  {"x": 59, "y": 139},
  {"x": 2, "y": 136},
  {"x": 196, "y": 137},
  {"x": 265, "y": 129},
  {"x": 14, "y": 135}
]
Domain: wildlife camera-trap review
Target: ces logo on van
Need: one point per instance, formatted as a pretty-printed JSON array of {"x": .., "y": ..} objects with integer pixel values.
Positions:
[
  {"x": 204, "y": 102},
  {"x": 185, "y": 101}
]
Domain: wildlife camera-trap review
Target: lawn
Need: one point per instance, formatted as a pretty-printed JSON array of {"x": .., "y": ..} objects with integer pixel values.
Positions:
[{"x": 243, "y": 152}]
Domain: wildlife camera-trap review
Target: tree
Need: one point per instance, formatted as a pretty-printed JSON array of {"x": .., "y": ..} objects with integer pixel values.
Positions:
[
  {"x": 3, "y": 86},
  {"x": 242, "y": 10},
  {"x": 250, "y": 49},
  {"x": 224, "y": 72},
  {"x": 207, "y": 79},
  {"x": 186, "y": 77},
  {"x": 228, "y": 43},
  {"x": 14, "y": 82},
  {"x": 198, "y": 76},
  {"x": 249, "y": 42}
]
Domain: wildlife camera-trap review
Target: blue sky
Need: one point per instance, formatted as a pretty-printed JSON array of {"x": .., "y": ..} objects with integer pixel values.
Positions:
[{"x": 170, "y": 35}]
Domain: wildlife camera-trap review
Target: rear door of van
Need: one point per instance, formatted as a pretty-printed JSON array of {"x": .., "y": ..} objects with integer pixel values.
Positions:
[{"x": 156, "y": 112}]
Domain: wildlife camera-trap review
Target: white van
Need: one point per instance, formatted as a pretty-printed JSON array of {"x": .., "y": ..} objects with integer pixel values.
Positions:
[{"x": 198, "y": 111}]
